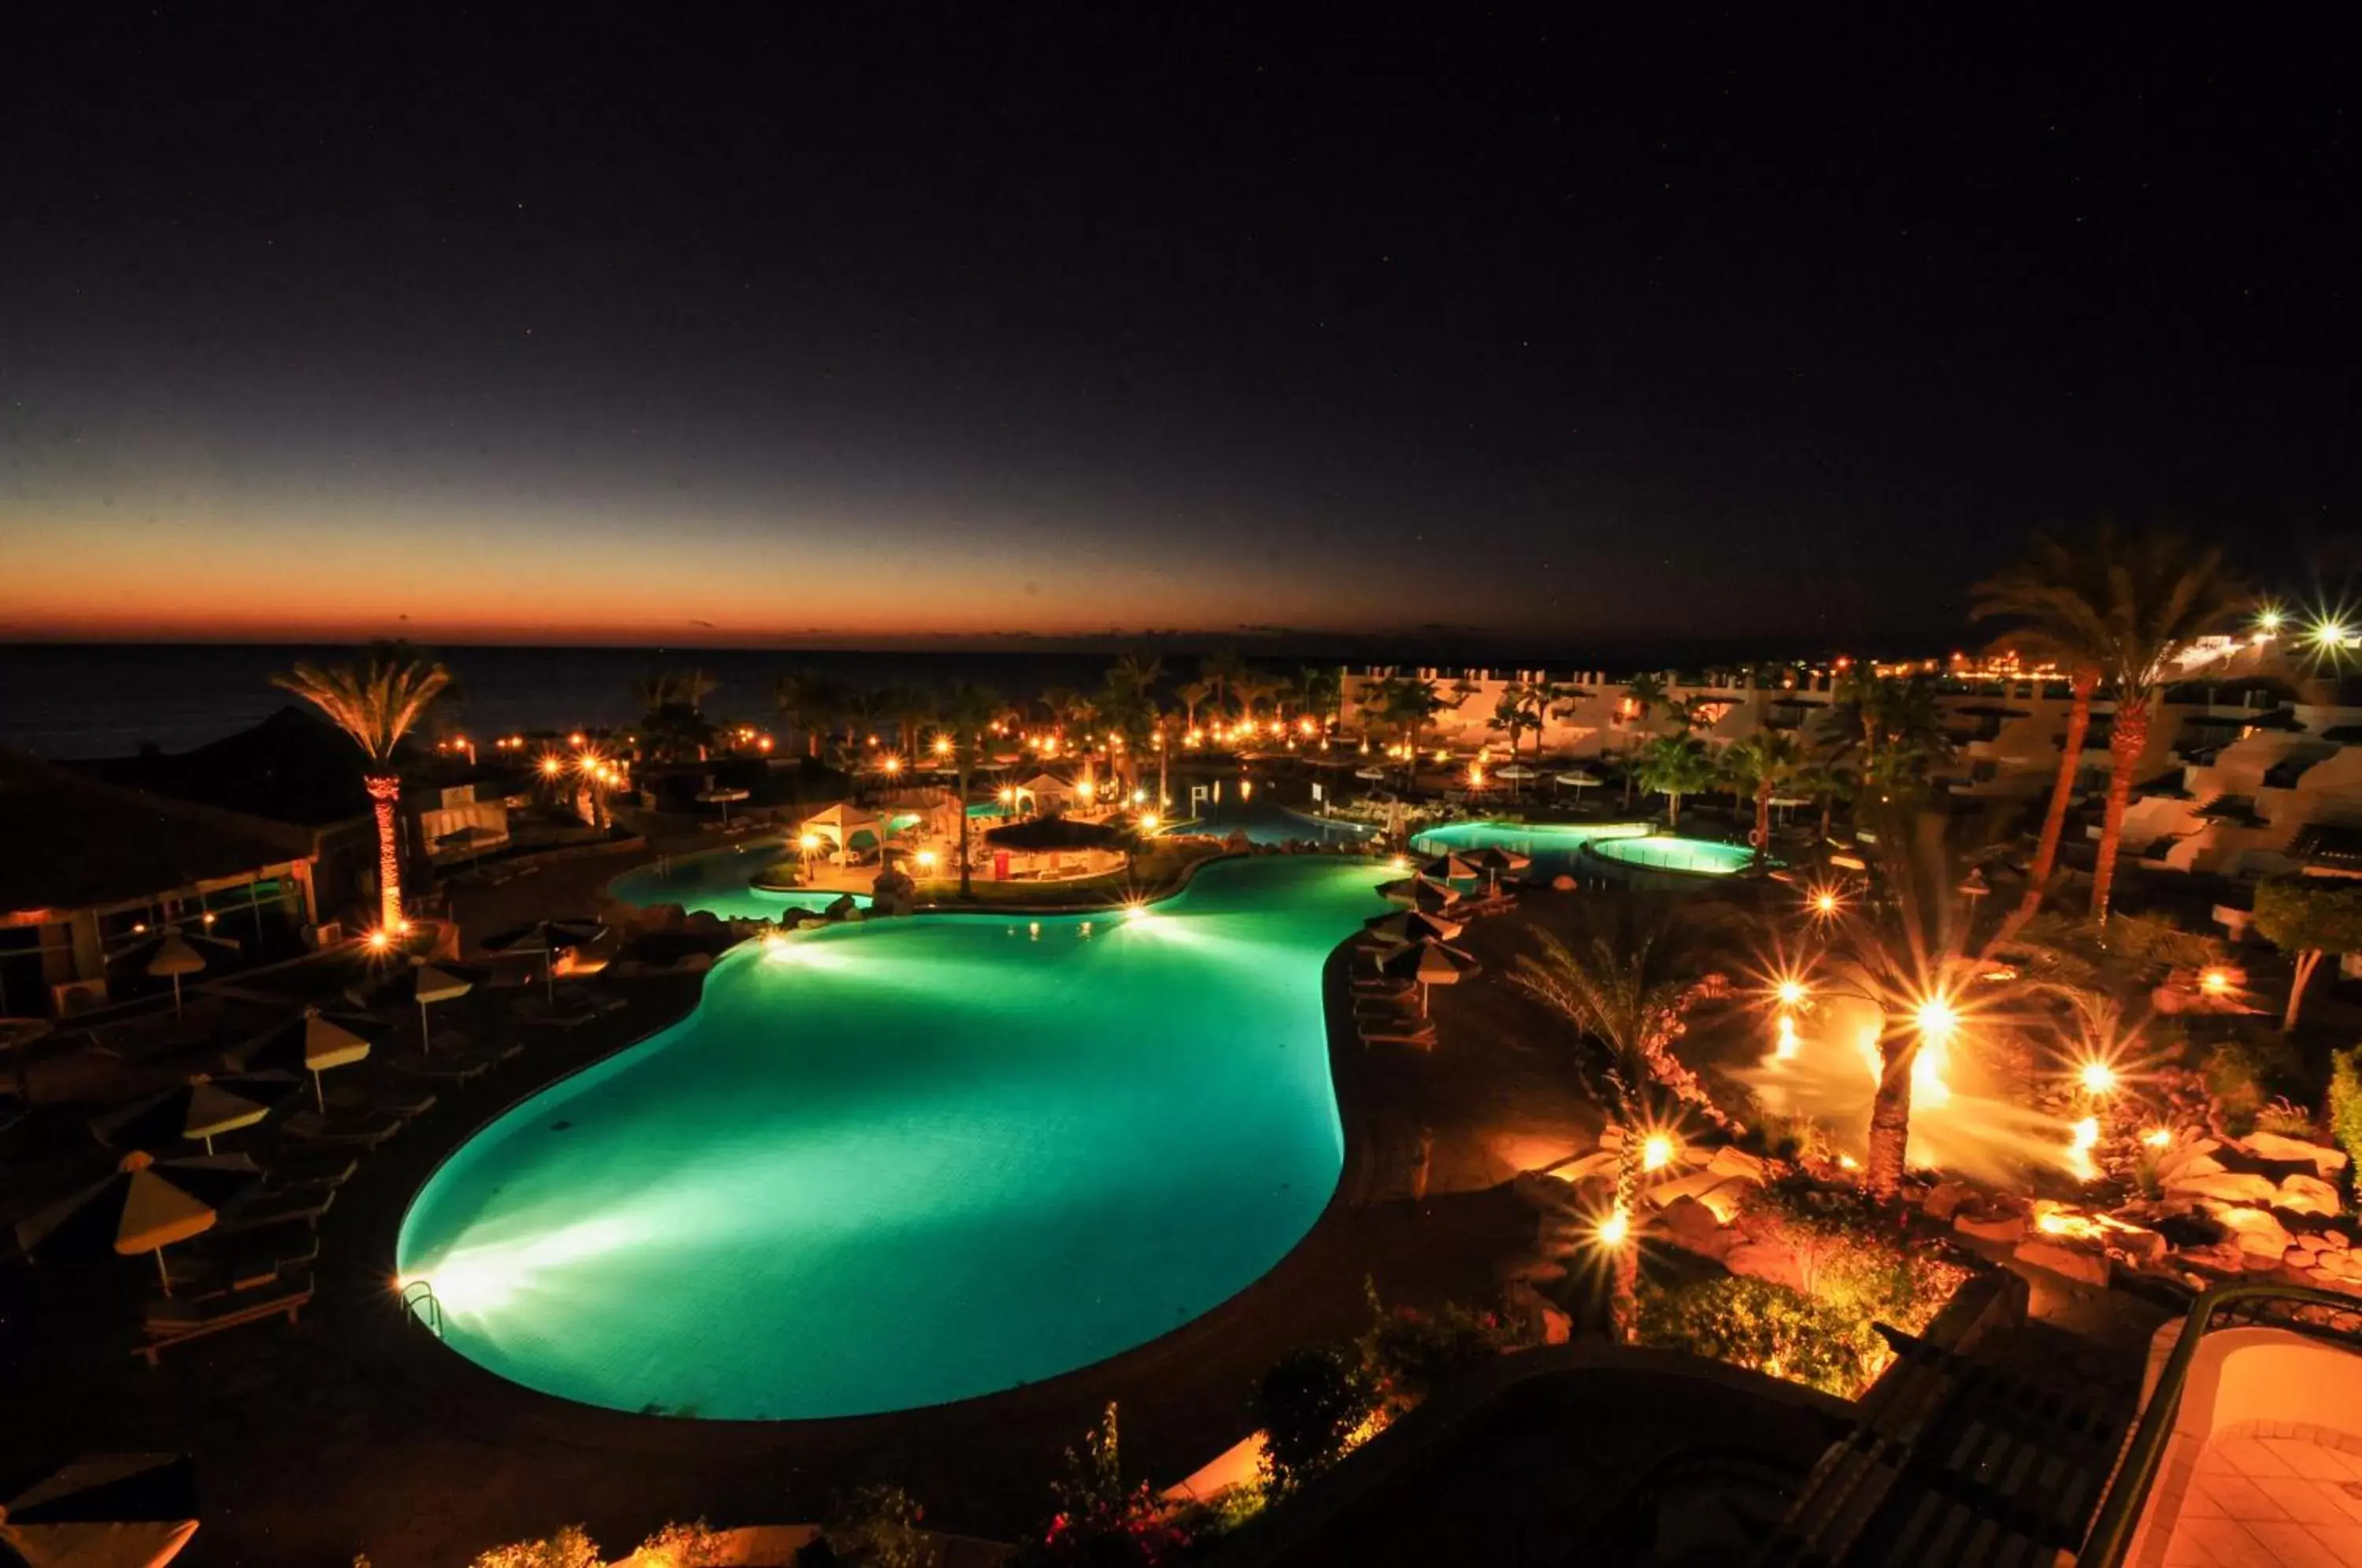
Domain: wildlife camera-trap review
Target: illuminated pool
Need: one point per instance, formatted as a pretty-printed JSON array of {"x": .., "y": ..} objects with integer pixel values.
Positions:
[
  {"x": 719, "y": 883},
  {"x": 1553, "y": 848},
  {"x": 1661, "y": 852},
  {"x": 1271, "y": 823},
  {"x": 895, "y": 1163}
]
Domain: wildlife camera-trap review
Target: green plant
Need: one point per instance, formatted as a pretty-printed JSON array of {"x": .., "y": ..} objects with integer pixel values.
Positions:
[
  {"x": 1408, "y": 1353},
  {"x": 694, "y": 1545},
  {"x": 2308, "y": 917},
  {"x": 2242, "y": 1074},
  {"x": 565, "y": 1548},
  {"x": 1770, "y": 1327},
  {"x": 1101, "y": 1521},
  {"x": 1853, "y": 1258},
  {"x": 2286, "y": 1118},
  {"x": 1309, "y": 1405},
  {"x": 871, "y": 1526},
  {"x": 2345, "y": 1104}
]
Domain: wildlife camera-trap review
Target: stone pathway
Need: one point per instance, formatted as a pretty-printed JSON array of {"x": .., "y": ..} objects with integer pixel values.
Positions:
[{"x": 2257, "y": 1502}]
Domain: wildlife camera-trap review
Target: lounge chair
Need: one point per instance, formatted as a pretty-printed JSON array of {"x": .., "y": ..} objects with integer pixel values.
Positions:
[
  {"x": 367, "y": 1130},
  {"x": 290, "y": 1169},
  {"x": 540, "y": 1011},
  {"x": 169, "y": 1321},
  {"x": 303, "y": 1206},
  {"x": 454, "y": 1068},
  {"x": 1420, "y": 1039}
]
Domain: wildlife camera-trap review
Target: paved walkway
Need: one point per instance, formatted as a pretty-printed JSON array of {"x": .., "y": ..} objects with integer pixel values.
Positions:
[{"x": 2257, "y": 1502}]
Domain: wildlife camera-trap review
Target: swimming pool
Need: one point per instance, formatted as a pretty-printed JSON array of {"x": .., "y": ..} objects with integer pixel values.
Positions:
[
  {"x": 1554, "y": 848},
  {"x": 1662, "y": 852},
  {"x": 895, "y": 1163},
  {"x": 717, "y": 883},
  {"x": 1267, "y": 821}
]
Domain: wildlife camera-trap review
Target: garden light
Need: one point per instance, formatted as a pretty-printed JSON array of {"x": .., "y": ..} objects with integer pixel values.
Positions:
[
  {"x": 809, "y": 843},
  {"x": 1148, "y": 821},
  {"x": 2216, "y": 982},
  {"x": 1937, "y": 1019},
  {"x": 1613, "y": 1230},
  {"x": 2097, "y": 1077},
  {"x": 1791, "y": 993},
  {"x": 1657, "y": 1151},
  {"x": 2157, "y": 1138},
  {"x": 1785, "y": 1048},
  {"x": 379, "y": 940}
]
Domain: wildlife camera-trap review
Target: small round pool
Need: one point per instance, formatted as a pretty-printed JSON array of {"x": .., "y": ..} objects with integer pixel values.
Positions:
[
  {"x": 898, "y": 1162},
  {"x": 1553, "y": 848},
  {"x": 1688, "y": 857},
  {"x": 720, "y": 884}
]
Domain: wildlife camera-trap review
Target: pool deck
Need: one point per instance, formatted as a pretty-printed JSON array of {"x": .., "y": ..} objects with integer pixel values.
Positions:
[{"x": 354, "y": 1431}]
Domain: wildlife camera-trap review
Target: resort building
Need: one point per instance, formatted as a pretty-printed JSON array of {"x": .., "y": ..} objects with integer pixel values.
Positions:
[{"x": 89, "y": 871}]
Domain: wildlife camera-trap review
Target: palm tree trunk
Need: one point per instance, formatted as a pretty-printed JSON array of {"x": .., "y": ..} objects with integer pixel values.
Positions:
[
  {"x": 2070, "y": 762},
  {"x": 2126, "y": 742},
  {"x": 1624, "y": 1272},
  {"x": 962, "y": 803},
  {"x": 1890, "y": 1116},
  {"x": 1764, "y": 819},
  {"x": 2305, "y": 963},
  {"x": 384, "y": 792}
]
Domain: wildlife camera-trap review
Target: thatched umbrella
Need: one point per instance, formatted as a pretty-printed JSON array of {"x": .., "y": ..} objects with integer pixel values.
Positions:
[
  {"x": 1419, "y": 893},
  {"x": 310, "y": 1042},
  {"x": 144, "y": 1206},
  {"x": 1576, "y": 779},
  {"x": 420, "y": 984},
  {"x": 1451, "y": 868},
  {"x": 723, "y": 796},
  {"x": 548, "y": 938},
  {"x": 170, "y": 955},
  {"x": 105, "y": 1510},
  {"x": 197, "y": 1112},
  {"x": 1428, "y": 961},
  {"x": 1411, "y": 926},
  {"x": 1493, "y": 860}
]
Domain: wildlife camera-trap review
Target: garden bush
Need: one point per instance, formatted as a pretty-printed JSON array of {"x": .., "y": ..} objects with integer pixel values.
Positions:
[
  {"x": 2244, "y": 1074},
  {"x": 872, "y": 1526},
  {"x": 1409, "y": 1353},
  {"x": 1854, "y": 1257},
  {"x": 1310, "y": 1404},
  {"x": 2346, "y": 1105},
  {"x": 566, "y": 1548},
  {"x": 1770, "y": 1327}
]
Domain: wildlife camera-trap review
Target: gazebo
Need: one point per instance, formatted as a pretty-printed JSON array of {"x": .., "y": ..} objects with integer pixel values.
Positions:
[
  {"x": 840, "y": 825},
  {"x": 1048, "y": 790}
]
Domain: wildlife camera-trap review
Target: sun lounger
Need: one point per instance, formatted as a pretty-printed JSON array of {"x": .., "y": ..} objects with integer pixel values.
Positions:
[
  {"x": 541, "y": 1012},
  {"x": 1422, "y": 1039},
  {"x": 366, "y": 1130},
  {"x": 454, "y": 1068},
  {"x": 303, "y": 1206},
  {"x": 289, "y": 1169},
  {"x": 170, "y": 1323}
]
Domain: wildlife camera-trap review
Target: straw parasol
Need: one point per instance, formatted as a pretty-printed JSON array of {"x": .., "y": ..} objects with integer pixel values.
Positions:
[
  {"x": 198, "y": 1111},
  {"x": 1493, "y": 860},
  {"x": 105, "y": 1510},
  {"x": 1374, "y": 775},
  {"x": 309, "y": 1041},
  {"x": 170, "y": 955},
  {"x": 1410, "y": 925},
  {"x": 1576, "y": 779},
  {"x": 1428, "y": 961},
  {"x": 1451, "y": 868},
  {"x": 723, "y": 797},
  {"x": 548, "y": 938},
  {"x": 422, "y": 983},
  {"x": 144, "y": 1206},
  {"x": 1419, "y": 893}
]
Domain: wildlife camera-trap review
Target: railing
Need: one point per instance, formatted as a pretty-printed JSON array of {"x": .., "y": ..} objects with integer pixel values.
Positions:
[
  {"x": 418, "y": 1301},
  {"x": 2225, "y": 1306}
]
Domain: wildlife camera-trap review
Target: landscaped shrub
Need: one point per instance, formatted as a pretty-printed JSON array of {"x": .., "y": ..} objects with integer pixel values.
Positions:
[
  {"x": 2243, "y": 1073},
  {"x": 566, "y": 1548},
  {"x": 1853, "y": 1256},
  {"x": 1409, "y": 1353},
  {"x": 872, "y": 1526},
  {"x": 2346, "y": 1105},
  {"x": 1310, "y": 1404},
  {"x": 1754, "y": 1323},
  {"x": 696, "y": 1545},
  {"x": 1100, "y": 1522},
  {"x": 2287, "y": 1118}
]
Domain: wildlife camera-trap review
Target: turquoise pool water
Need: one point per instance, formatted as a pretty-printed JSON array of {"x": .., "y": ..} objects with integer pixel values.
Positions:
[
  {"x": 1660, "y": 852},
  {"x": 1271, "y": 823},
  {"x": 1554, "y": 848},
  {"x": 891, "y": 1164},
  {"x": 717, "y": 884}
]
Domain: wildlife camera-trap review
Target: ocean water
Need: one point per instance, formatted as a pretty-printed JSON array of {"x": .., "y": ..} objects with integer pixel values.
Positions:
[
  {"x": 906, "y": 1162},
  {"x": 110, "y": 699}
]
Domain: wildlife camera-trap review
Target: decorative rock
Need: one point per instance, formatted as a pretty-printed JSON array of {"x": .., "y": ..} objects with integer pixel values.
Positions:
[
  {"x": 2069, "y": 1262},
  {"x": 1945, "y": 1198},
  {"x": 2006, "y": 1228},
  {"x": 2231, "y": 1186},
  {"x": 2272, "y": 1146},
  {"x": 2260, "y": 1234},
  {"x": 2141, "y": 1246},
  {"x": 2312, "y": 1242},
  {"x": 1562, "y": 883},
  {"x": 1733, "y": 1162},
  {"x": 2175, "y": 1158},
  {"x": 2336, "y": 1241},
  {"x": 1692, "y": 1226},
  {"x": 2224, "y": 1257},
  {"x": 2307, "y": 1195},
  {"x": 1767, "y": 1262}
]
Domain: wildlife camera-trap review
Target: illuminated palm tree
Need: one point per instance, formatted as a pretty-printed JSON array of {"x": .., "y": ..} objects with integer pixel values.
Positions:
[
  {"x": 1764, "y": 764},
  {"x": 805, "y": 701},
  {"x": 376, "y": 704},
  {"x": 1674, "y": 765},
  {"x": 2128, "y": 608},
  {"x": 1627, "y": 985},
  {"x": 1220, "y": 671},
  {"x": 1321, "y": 688},
  {"x": 968, "y": 712},
  {"x": 1191, "y": 695},
  {"x": 1643, "y": 695}
]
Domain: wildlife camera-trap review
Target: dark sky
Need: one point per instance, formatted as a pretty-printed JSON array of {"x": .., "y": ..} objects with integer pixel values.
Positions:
[{"x": 625, "y": 322}]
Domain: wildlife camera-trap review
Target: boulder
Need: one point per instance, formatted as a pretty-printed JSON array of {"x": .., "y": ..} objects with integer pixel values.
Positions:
[
  {"x": 2336, "y": 1241},
  {"x": 1946, "y": 1199},
  {"x": 2307, "y": 1195},
  {"x": 1693, "y": 1227},
  {"x": 2228, "y": 1186},
  {"x": 1730, "y": 1161},
  {"x": 2005, "y": 1229},
  {"x": 893, "y": 893},
  {"x": 2259, "y": 1234},
  {"x": 2181, "y": 1154},
  {"x": 2225, "y": 1256},
  {"x": 2327, "y": 1161},
  {"x": 2083, "y": 1266},
  {"x": 1767, "y": 1261}
]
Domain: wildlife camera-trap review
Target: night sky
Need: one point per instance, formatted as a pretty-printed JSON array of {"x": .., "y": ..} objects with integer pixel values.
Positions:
[{"x": 624, "y": 323}]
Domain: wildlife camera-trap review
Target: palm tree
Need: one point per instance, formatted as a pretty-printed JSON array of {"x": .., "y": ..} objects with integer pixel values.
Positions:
[
  {"x": 1763, "y": 763},
  {"x": 1197, "y": 692},
  {"x": 1220, "y": 671},
  {"x": 1890, "y": 731},
  {"x": 1322, "y": 688},
  {"x": 376, "y": 704},
  {"x": 805, "y": 701},
  {"x": 910, "y": 707},
  {"x": 2128, "y": 608},
  {"x": 1627, "y": 985},
  {"x": 1518, "y": 711},
  {"x": 967, "y": 714},
  {"x": 1825, "y": 783},
  {"x": 1251, "y": 687},
  {"x": 1643, "y": 695},
  {"x": 1407, "y": 703},
  {"x": 1674, "y": 765},
  {"x": 1136, "y": 673}
]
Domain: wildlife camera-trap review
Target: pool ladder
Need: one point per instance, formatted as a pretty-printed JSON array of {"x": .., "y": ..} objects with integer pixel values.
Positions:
[{"x": 418, "y": 1302}]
